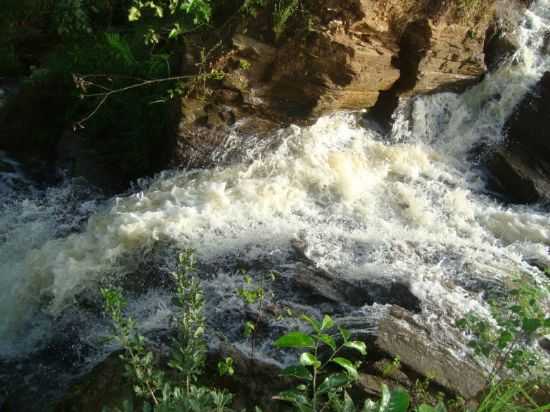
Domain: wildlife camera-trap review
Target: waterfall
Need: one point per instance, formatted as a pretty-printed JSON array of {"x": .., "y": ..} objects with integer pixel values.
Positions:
[{"x": 411, "y": 207}]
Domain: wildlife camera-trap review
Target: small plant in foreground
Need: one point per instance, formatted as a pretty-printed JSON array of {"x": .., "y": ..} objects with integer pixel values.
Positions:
[
  {"x": 519, "y": 318},
  {"x": 254, "y": 295},
  {"x": 179, "y": 392},
  {"x": 320, "y": 386}
]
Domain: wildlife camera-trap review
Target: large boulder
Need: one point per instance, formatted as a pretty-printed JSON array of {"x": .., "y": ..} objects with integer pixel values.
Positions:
[{"x": 520, "y": 168}]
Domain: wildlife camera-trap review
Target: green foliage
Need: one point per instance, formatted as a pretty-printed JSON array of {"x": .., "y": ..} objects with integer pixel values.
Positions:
[
  {"x": 169, "y": 19},
  {"x": 250, "y": 294},
  {"x": 161, "y": 392},
  {"x": 225, "y": 367},
  {"x": 319, "y": 385},
  {"x": 71, "y": 17},
  {"x": 391, "y": 367},
  {"x": 519, "y": 318},
  {"x": 283, "y": 11}
]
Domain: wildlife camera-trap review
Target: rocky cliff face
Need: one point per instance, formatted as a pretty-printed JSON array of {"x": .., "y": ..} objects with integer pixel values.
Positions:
[{"x": 362, "y": 55}]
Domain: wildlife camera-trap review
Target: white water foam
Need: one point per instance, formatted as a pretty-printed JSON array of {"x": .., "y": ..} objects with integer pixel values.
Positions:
[{"x": 411, "y": 209}]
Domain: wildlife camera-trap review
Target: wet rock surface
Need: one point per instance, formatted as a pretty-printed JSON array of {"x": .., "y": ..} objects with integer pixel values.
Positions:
[
  {"x": 521, "y": 166},
  {"x": 422, "y": 347},
  {"x": 356, "y": 57}
]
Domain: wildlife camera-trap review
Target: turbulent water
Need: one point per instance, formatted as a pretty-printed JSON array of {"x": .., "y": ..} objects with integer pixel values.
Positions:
[{"x": 411, "y": 206}]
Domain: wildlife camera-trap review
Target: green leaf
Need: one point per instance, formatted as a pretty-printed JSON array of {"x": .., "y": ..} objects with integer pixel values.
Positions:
[
  {"x": 312, "y": 322},
  {"x": 425, "y": 408},
  {"x": 327, "y": 323},
  {"x": 295, "y": 340},
  {"x": 395, "y": 401},
  {"x": 358, "y": 346},
  {"x": 347, "y": 365},
  {"x": 296, "y": 398},
  {"x": 531, "y": 325},
  {"x": 344, "y": 333},
  {"x": 308, "y": 359},
  {"x": 298, "y": 371},
  {"x": 334, "y": 381},
  {"x": 327, "y": 340}
]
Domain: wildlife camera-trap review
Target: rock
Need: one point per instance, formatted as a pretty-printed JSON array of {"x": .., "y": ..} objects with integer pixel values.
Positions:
[
  {"x": 103, "y": 386},
  {"x": 387, "y": 368},
  {"x": 429, "y": 352},
  {"x": 355, "y": 291},
  {"x": 520, "y": 168},
  {"x": 513, "y": 176},
  {"x": 544, "y": 343},
  {"x": 371, "y": 385},
  {"x": 352, "y": 56}
]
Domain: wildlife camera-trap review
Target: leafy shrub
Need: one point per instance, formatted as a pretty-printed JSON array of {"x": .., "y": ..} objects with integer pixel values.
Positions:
[
  {"x": 162, "y": 392},
  {"x": 320, "y": 388},
  {"x": 323, "y": 375},
  {"x": 519, "y": 318},
  {"x": 284, "y": 10},
  {"x": 170, "y": 18}
]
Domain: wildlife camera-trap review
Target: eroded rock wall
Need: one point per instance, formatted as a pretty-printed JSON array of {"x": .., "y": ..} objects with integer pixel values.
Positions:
[{"x": 355, "y": 56}]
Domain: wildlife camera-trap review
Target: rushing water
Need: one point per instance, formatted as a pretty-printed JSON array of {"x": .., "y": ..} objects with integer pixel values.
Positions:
[{"x": 411, "y": 207}]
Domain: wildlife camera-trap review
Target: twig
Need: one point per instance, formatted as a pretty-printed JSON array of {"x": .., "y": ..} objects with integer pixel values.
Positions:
[{"x": 107, "y": 94}]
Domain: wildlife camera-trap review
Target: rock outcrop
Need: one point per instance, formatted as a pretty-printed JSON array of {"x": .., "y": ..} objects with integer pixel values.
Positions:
[
  {"x": 416, "y": 345},
  {"x": 521, "y": 167},
  {"x": 353, "y": 57}
]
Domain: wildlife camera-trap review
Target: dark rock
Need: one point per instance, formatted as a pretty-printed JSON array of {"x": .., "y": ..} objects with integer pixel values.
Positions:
[
  {"x": 104, "y": 386},
  {"x": 371, "y": 385},
  {"x": 429, "y": 352},
  {"x": 520, "y": 168},
  {"x": 544, "y": 343},
  {"x": 338, "y": 288},
  {"x": 354, "y": 291},
  {"x": 499, "y": 47},
  {"x": 513, "y": 176}
]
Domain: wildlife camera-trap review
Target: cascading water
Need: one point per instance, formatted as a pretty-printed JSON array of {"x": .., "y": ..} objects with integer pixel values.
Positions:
[{"x": 411, "y": 208}]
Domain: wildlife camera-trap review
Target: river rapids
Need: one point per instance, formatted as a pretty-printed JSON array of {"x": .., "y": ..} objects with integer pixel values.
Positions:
[{"x": 411, "y": 206}]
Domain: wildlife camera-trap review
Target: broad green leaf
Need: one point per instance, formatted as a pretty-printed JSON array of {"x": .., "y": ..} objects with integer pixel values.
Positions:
[
  {"x": 327, "y": 340},
  {"x": 295, "y": 397},
  {"x": 347, "y": 365},
  {"x": 358, "y": 346},
  {"x": 308, "y": 359},
  {"x": 295, "y": 340},
  {"x": 312, "y": 322},
  {"x": 531, "y": 325},
  {"x": 327, "y": 323},
  {"x": 298, "y": 371},
  {"x": 334, "y": 381},
  {"x": 344, "y": 333},
  {"x": 395, "y": 401}
]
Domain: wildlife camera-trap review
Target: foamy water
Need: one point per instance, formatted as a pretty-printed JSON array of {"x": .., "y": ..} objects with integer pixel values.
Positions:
[{"x": 411, "y": 207}]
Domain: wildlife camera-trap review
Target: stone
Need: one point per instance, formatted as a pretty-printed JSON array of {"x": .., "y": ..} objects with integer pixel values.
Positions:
[
  {"x": 352, "y": 56},
  {"x": 429, "y": 352},
  {"x": 520, "y": 168},
  {"x": 343, "y": 289}
]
